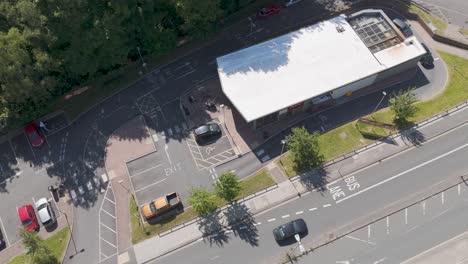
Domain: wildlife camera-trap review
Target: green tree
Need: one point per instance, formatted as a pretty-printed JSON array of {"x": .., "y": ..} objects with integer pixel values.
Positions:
[
  {"x": 44, "y": 256},
  {"x": 200, "y": 17},
  {"x": 31, "y": 240},
  {"x": 305, "y": 149},
  {"x": 203, "y": 201},
  {"x": 228, "y": 186},
  {"x": 403, "y": 106}
]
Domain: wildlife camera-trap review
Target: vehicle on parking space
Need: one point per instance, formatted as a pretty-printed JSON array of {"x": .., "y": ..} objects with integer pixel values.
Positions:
[
  {"x": 207, "y": 131},
  {"x": 28, "y": 217},
  {"x": 46, "y": 213},
  {"x": 290, "y": 229},
  {"x": 427, "y": 61},
  {"x": 33, "y": 134},
  {"x": 403, "y": 27},
  {"x": 161, "y": 205},
  {"x": 269, "y": 11},
  {"x": 288, "y": 3}
]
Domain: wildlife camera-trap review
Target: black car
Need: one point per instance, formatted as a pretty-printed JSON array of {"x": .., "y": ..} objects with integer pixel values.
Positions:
[
  {"x": 290, "y": 229},
  {"x": 207, "y": 132},
  {"x": 427, "y": 61}
]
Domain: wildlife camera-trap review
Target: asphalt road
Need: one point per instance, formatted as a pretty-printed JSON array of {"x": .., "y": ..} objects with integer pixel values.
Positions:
[
  {"x": 404, "y": 235},
  {"x": 75, "y": 154},
  {"x": 452, "y": 11},
  {"x": 348, "y": 199}
]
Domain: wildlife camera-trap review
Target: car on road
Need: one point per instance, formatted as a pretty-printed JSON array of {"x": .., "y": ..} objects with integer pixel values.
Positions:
[
  {"x": 427, "y": 61},
  {"x": 288, "y": 3},
  {"x": 290, "y": 229},
  {"x": 46, "y": 213},
  {"x": 28, "y": 218},
  {"x": 403, "y": 27},
  {"x": 33, "y": 134},
  {"x": 161, "y": 205},
  {"x": 207, "y": 132},
  {"x": 269, "y": 11}
]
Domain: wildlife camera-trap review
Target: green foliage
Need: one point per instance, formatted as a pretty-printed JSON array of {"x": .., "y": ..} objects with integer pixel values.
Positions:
[
  {"x": 41, "y": 254},
  {"x": 203, "y": 201},
  {"x": 31, "y": 240},
  {"x": 403, "y": 106},
  {"x": 305, "y": 149},
  {"x": 228, "y": 186}
]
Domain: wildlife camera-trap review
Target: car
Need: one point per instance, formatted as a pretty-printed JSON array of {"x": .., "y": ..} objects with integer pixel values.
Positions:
[
  {"x": 290, "y": 229},
  {"x": 207, "y": 131},
  {"x": 28, "y": 217},
  {"x": 45, "y": 212},
  {"x": 427, "y": 61},
  {"x": 288, "y": 3},
  {"x": 2, "y": 241},
  {"x": 33, "y": 134},
  {"x": 269, "y": 11},
  {"x": 405, "y": 28}
]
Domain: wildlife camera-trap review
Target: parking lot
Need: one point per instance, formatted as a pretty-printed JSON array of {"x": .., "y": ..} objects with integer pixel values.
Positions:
[{"x": 108, "y": 228}]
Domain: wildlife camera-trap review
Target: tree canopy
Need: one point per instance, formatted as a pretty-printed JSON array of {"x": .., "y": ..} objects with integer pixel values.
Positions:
[
  {"x": 403, "y": 106},
  {"x": 228, "y": 186},
  {"x": 49, "y": 47},
  {"x": 305, "y": 149}
]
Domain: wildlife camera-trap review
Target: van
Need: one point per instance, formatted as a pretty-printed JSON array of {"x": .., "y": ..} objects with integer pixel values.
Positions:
[{"x": 403, "y": 27}]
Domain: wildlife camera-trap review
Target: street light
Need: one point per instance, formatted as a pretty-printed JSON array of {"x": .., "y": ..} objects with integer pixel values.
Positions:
[
  {"x": 143, "y": 63},
  {"x": 377, "y": 106},
  {"x": 71, "y": 235}
]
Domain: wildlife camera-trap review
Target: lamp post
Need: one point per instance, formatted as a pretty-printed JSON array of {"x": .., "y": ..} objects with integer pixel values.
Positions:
[
  {"x": 283, "y": 143},
  {"x": 381, "y": 99},
  {"x": 71, "y": 235},
  {"x": 143, "y": 63}
]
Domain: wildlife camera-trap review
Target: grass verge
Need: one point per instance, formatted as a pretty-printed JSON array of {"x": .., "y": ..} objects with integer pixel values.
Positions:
[
  {"x": 57, "y": 243},
  {"x": 351, "y": 136},
  {"x": 463, "y": 31},
  {"x": 429, "y": 18},
  {"x": 257, "y": 182}
]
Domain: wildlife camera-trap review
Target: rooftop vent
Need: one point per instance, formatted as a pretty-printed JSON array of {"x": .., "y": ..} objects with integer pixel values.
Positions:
[{"x": 340, "y": 29}]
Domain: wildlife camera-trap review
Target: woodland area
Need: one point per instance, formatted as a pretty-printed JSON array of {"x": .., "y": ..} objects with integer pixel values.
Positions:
[{"x": 50, "y": 47}]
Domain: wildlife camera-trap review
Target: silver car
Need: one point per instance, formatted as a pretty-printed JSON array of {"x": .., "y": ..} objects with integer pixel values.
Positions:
[{"x": 45, "y": 212}]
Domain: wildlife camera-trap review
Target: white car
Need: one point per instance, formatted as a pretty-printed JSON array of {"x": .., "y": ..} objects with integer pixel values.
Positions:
[
  {"x": 288, "y": 3},
  {"x": 45, "y": 212}
]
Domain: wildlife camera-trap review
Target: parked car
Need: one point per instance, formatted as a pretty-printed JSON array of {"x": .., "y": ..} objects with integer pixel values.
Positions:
[
  {"x": 46, "y": 213},
  {"x": 34, "y": 135},
  {"x": 161, "y": 205},
  {"x": 288, "y": 3},
  {"x": 427, "y": 61},
  {"x": 290, "y": 229},
  {"x": 28, "y": 217},
  {"x": 269, "y": 11},
  {"x": 207, "y": 132},
  {"x": 2, "y": 241},
  {"x": 405, "y": 28}
]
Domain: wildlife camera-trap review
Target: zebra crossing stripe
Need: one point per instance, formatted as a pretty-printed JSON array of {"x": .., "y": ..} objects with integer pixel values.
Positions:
[
  {"x": 184, "y": 126},
  {"x": 169, "y": 132},
  {"x": 177, "y": 129}
]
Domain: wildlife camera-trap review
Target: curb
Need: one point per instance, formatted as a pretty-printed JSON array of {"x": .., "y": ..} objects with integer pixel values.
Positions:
[{"x": 64, "y": 253}]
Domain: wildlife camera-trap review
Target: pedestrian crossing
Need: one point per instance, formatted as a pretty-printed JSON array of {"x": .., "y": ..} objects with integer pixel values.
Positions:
[{"x": 79, "y": 190}]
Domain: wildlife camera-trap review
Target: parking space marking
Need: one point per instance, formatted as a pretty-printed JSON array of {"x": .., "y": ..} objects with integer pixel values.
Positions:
[
  {"x": 109, "y": 187},
  {"x": 4, "y": 231},
  {"x": 109, "y": 200},
  {"x": 154, "y": 183},
  {"x": 361, "y": 240},
  {"x": 112, "y": 230},
  {"x": 368, "y": 232},
  {"x": 107, "y": 242},
  {"x": 154, "y": 167},
  {"x": 111, "y": 215},
  {"x": 167, "y": 154},
  {"x": 406, "y": 216}
]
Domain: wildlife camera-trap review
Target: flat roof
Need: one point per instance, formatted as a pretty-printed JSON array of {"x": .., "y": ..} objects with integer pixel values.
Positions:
[{"x": 284, "y": 71}]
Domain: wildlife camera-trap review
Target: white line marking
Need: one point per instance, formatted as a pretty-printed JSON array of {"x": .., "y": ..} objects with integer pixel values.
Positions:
[
  {"x": 109, "y": 228},
  {"x": 380, "y": 260},
  {"x": 424, "y": 207},
  {"x": 259, "y": 223},
  {"x": 368, "y": 232},
  {"x": 436, "y": 59},
  {"x": 271, "y": 220},
  {"x": 260, "y": 152},
  {"x": 167, "y": 153},
  {"x": 243, "y": 227},
  {"x": 459, "y": 189},
  {"x": 185, "y": 74},
  {"x": 177, "y": 129},
  {"x": 111, "y": 215},
  {"x": 200, "y": 239},
  {"x": 300, "y": 212},
  {"x": 326, "y": 205},
  {"x": 109, "y": 200},
  {"x": 169, "y": 132},
  {"x": 313, "y": 209},
  {"x": 285, "y": 216},
  {"x": 104, "y": 255},
  {"x": 136, "y": 174},
  {"x": 265, "y": 158},
  {"x": 155, "y": 138},
  {"x": 403, "y": 173},
  {"x": 215, "y": 257},
  {"x": 442, "y": 198},
  {"x": 107, "y": 242},
  {"x": 406, "y": 216},
  {"x": 361, "y": 240},
  {"x": 4, "y": 231},
  {"x": 388, "y": 225},
  {"x": 141, "y": 189}
]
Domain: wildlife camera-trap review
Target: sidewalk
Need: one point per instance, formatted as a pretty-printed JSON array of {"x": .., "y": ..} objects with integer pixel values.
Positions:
[{"x": 160, "y": 245}]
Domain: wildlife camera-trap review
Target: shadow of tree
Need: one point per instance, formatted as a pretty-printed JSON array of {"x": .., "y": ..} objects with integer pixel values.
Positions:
[
  {"x": 413, "y": 136},
  {"x": 212, "y": 230},
  {"x": 315, "y": 179},
  {"x": 242, "y": 223}
]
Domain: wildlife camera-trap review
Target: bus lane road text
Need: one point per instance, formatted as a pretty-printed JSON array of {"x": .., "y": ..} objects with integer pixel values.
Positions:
[{"x": 339, "y": 189}]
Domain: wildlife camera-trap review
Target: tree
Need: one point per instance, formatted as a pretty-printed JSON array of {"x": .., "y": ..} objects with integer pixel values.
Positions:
[
  {"x": 305, "y": 149},
  {"x": 402, "y": 105},
  {"x": 203, "y": 201},
  {"x": 31, "y": 240},
  {"x": 228, "y": 186}
]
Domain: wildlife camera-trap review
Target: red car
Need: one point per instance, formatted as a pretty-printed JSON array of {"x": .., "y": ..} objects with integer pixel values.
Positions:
[
  {"x": 28, "y": 217},
  {"x": 34, "y": 136},
  {"x": 269, "y": 10}
]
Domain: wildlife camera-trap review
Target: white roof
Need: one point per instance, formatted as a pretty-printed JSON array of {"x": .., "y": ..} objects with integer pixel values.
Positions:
[{"x": 303, "y": 64}]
